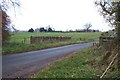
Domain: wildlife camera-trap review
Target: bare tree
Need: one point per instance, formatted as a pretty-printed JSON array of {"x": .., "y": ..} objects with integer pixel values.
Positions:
[
  {"x": 111, "y": 12},
  {"x": 88, "y": 26},
  {"x": 5, "y": 5},
  {"x": 108, "y": 10}
]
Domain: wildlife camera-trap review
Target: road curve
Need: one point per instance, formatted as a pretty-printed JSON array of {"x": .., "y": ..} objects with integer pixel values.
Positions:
[{"x": 27, "y": 63}]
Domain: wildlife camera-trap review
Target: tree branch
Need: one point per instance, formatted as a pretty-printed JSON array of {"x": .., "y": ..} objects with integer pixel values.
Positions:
[{"x": 104, "y": 9}]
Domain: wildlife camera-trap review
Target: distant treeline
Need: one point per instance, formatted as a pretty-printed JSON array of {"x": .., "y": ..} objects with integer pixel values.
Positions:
[{"x": 42, "y": 29}]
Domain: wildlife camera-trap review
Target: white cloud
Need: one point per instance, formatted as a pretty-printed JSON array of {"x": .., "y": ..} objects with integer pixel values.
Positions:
[{"x": 61, "y": 14}]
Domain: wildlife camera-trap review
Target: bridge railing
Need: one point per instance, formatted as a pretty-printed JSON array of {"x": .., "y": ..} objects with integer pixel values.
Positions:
[{"x": 103, "y": 39}]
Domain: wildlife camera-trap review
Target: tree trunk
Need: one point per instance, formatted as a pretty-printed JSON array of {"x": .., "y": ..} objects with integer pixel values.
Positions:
[{"x": 118, "y": 34}]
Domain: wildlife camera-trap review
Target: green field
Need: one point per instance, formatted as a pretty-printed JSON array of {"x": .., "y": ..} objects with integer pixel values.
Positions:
[
  {"x": 20, "y": 42},
  {"x": 19, "y": 37}
]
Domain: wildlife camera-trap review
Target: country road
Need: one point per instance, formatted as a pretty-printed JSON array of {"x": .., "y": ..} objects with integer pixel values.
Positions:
[{"x": 27, "y": 63}]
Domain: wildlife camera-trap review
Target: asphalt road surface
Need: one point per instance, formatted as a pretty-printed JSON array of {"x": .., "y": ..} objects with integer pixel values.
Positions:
[{"x": 27, "y": 63}]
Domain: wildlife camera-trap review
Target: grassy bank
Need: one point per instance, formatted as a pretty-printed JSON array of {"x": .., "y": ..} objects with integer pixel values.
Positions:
[
  {"x": 12, "y": 48},
  {"x": 20, "y": 42},
  {"x": 83, "y": 64}
]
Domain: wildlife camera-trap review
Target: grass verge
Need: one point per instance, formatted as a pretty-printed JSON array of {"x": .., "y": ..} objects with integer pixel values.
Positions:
[
  {"x": 83, "y": 64},
  {"x": 14, "y": 47}
]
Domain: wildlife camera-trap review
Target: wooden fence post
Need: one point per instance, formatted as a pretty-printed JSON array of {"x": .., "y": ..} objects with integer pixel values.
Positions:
[{"x": 31, "y": 40}]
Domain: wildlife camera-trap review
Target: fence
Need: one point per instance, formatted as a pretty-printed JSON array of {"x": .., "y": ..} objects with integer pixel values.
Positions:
[
  {"x": 40, "y": 39},
  {"x": 25, "y": 40}
]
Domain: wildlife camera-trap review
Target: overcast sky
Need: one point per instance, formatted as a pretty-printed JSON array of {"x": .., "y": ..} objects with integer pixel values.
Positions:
[{"x": 59, "y": 14}]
